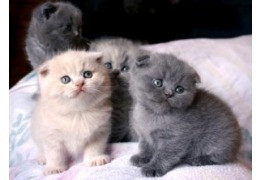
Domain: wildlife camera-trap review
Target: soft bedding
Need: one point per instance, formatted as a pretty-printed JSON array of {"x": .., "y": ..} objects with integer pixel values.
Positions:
[{"x": 225, "y": 69}]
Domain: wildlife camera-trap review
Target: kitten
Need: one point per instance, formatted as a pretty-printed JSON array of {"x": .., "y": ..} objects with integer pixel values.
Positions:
[
  {"x": 55, "y": 27},
  {"x": 176, "y": 122},
  {"x": 72, "y": 115},
  {"x": 119, "y": 55}
]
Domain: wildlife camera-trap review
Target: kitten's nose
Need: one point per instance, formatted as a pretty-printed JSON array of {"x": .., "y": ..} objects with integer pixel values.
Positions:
[
  {"x": 168, "y": 94},
  {"x": 116, "y": 72},
  {"x": 80, "y": 84}
]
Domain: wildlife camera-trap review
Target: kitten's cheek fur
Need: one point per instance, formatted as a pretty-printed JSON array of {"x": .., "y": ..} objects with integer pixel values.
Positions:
[{"x": 71, "y": 94}]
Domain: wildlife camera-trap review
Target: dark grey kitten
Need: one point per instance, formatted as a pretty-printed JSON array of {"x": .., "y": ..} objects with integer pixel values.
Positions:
[
  {"x": 118, "y": 57},
  {"x": 54, "y": 27},
  {"x": 176, "y": 122}
]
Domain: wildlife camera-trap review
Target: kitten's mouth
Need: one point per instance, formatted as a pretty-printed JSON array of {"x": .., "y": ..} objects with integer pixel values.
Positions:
[
  {"x": 159, "y": 101},
  {"x": 164, "y": 102},
  {"x": 80, "y": 91}
]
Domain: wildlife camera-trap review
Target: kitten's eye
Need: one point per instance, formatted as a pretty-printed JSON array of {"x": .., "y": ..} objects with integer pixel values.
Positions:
[
  {"x": 125, "y": 68},
  {"x": 179, "y": 89},
  {"x": 67, "y": 28},
  {"x": 108, "y": 65},
  {"x": 158, "y": 82},
  {"x": 65, "y": 79},
  {"x": 87, "y": 74}
]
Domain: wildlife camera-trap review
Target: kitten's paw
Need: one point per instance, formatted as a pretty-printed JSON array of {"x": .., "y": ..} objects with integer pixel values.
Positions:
[
  {"x": 200, "y": 161},
  {"x": 152, "y": 171},
  {"x": 98, "y": 160},
  {"x": 139, "y": 161},
  {"x": 54, "y": 170},
  {"x": 41, "y": 160}
]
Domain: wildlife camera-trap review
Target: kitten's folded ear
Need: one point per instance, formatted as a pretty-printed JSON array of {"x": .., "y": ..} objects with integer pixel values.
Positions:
[
  {"x": 142, "y": 61},
  {"x": 193, "y": 75},
  {"x": 196, "y": 78},
  {"x": 46, "y": 10},
  {"x": 43, "y": 70},
  {"x": 97, "y": 56}
]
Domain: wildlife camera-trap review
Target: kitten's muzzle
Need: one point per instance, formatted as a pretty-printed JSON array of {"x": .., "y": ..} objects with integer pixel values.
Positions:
[
  {"x": 168, "y": 94},
  {"x": 80, "y": 84},
  {"x": 116, "y": 73}
]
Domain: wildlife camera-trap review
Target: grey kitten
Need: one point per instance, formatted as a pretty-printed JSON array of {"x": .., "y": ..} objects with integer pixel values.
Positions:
[
  {"x": 176, "y": 122},
  {"x": 118, "y": 57},
  {"x": 54, "y": 27}
]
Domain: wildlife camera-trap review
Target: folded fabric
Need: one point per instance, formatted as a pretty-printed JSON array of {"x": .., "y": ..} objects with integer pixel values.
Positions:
[{"x": 225, "y": 69}]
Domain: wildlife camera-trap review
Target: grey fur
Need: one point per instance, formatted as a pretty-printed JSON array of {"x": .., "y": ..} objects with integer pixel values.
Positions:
[
  {"x": 119, "y": 52},
  {"x": 54, "y": 27},
  {"x": 194, "y": 127}
]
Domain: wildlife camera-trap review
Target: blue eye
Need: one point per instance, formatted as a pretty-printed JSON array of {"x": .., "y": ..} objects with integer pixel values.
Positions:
[
  {"x": 87, "y": 74},
  {"x": 65, "y": 79},
  {"x": 179, "y": 89},
  {"x": 108, "y": 65},
  {"x": 157, "y": 82},
  {"x": 125, "y": 68}
]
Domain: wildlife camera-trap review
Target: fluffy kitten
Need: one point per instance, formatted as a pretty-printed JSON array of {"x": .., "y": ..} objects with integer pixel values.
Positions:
[
  {"x": 178, "y": 123},
  {"x": 119, "y": 55},
  {"x": 72, "y": 115},
  {"x": 54, "y": 27}
]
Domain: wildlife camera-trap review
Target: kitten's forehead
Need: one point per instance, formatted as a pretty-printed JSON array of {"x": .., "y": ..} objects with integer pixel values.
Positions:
[
  {"x": 74, "y": 62},
  {"x": 169, "y": 68},
  {"x": 117, "y": 56},
  {"x": 120, "y": 56},
  {"x": 69, "y": 9},
  {"x": 118, "y": 51},
  {"x": 68, "y": 12}
]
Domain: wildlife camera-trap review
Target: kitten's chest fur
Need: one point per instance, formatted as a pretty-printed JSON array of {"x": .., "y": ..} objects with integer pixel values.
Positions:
[
  {"x": 145, "y": 122},
  {"x": 47, "y": 47},
  {"x": 82, "y": 125},
  {"x": 83, "y": 128},
  {"x": 121, "y": 98},
  {"x": 77, "y": 129}
]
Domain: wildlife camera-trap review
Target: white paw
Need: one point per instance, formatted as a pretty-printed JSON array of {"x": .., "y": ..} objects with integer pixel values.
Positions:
[
  {"x": 54, "y": 170},
  {"x": 98, "y": 160},
  {"x": 41, "y": 160}
]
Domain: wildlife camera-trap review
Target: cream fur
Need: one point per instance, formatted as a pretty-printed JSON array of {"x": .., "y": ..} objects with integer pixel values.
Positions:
[{"x": 67, "y": 122}]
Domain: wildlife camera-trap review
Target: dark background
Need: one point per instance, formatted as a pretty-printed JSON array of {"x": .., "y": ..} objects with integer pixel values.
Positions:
[{"x": 149, "y": 21}]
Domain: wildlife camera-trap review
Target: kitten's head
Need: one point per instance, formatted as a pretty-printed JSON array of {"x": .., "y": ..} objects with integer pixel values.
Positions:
[
  {"x": 162, "y": 82},
  {"x": 74, "y": 76},
  {"x": 58, "y": 24},
  {"x": 119, "y": 55}
]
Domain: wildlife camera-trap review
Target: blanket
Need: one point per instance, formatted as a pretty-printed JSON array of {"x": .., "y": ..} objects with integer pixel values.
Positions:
[{"x": 225, "y": 69}]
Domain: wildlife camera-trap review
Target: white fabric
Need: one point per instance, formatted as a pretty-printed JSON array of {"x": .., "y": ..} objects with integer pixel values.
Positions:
[{"x": 225, "y": 69}]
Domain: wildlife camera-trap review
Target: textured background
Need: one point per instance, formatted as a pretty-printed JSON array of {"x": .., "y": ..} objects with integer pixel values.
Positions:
[{"x": 151, "y": 21}]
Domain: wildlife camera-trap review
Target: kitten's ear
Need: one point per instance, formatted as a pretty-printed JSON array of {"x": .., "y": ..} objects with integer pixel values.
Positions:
[
  {"x": 98, "y": 56},
  {"x": 196, "y": 78},
  {"x": 142, "y": 61},
  {"x": 47, "y": 10},
  {"x": 43, "y": 70}
]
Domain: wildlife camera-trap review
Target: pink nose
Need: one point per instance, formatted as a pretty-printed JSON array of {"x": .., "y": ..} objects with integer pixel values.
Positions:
[{"x": 80, "y": 84}]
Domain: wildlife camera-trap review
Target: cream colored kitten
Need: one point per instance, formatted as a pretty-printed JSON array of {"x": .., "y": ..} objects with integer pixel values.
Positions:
[{"x": 72, "y": 115}]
